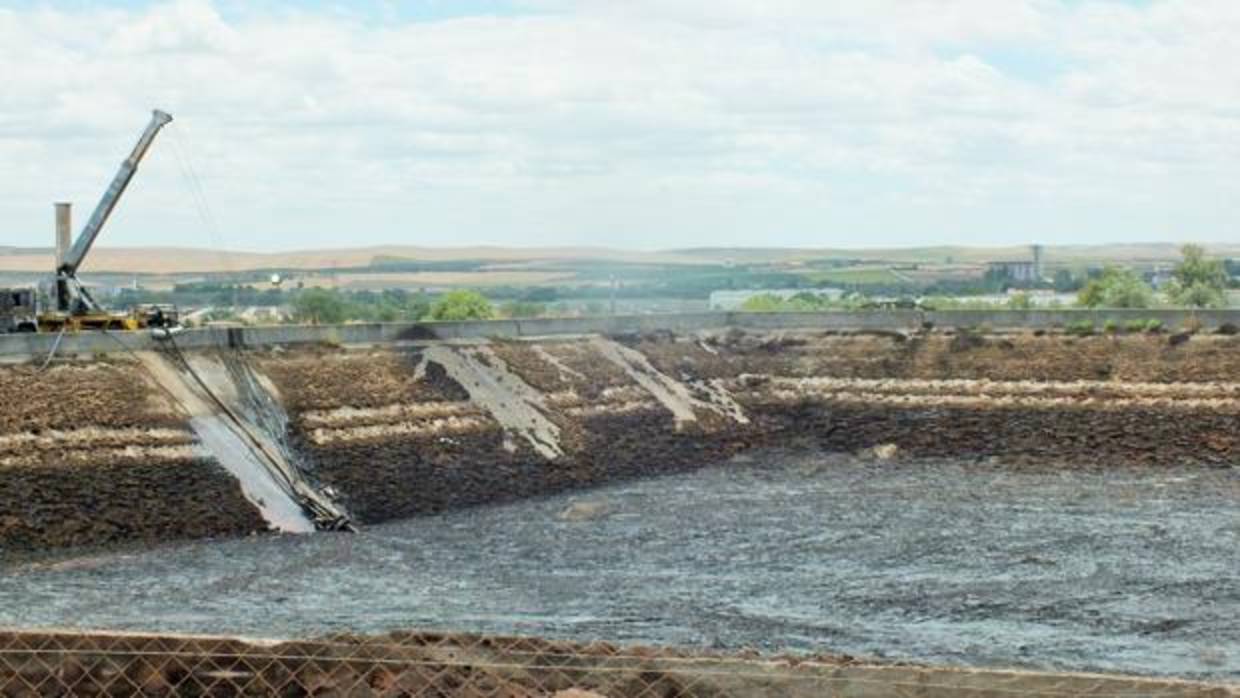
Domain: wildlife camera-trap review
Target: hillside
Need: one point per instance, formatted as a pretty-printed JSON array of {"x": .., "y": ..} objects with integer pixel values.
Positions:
[
  {"x": 186, "y": 260},
  {"x": 954, "y": 254}
]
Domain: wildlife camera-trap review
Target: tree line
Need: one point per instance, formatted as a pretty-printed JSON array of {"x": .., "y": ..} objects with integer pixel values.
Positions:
[{"x": 1197, "y": 281}]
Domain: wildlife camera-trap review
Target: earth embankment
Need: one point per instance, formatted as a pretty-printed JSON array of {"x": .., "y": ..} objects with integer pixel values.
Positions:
[
  {"x": 93, "y": 452},
  {"x": 400, "y": 435}
]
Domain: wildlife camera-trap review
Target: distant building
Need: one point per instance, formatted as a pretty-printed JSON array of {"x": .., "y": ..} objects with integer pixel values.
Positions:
[
  {"x": 1160, "y": 277},
  {"x": 1038, "y": 269},
  {"x": 1020, "y": 272},
  {"x": 1041, "y": 297},
  {"x": 733, "y": 300}
]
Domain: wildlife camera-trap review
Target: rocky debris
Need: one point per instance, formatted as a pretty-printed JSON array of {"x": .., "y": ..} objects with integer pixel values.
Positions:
[
  {"x": 585, "y": 511},
  {"x": 675, "y": 396},
  {"x": 883, "y": 452},
  {"x": 514, "y": 405}
]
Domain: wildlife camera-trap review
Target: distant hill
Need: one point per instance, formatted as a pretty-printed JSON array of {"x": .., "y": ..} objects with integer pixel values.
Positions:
[
  {"x": 180, "y": 261},
  {"x": 1118, "y": 253}
]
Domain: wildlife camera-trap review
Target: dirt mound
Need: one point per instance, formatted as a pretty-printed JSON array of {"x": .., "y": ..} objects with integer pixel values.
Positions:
[
  {"x": 396, "y": 434},
  {"x": 56, "y": 507},
  {"x": 423, "y": 664}
]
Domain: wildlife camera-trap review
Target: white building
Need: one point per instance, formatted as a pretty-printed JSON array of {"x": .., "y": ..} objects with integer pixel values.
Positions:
[{"x": 733, "y": 300}]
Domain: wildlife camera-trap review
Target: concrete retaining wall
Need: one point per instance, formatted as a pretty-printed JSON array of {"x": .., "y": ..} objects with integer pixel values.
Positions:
[{"x": 23, "y": 346}]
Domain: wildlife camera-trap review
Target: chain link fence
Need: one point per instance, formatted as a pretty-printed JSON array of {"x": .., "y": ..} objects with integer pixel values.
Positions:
[{"x": 426, "y": 665}]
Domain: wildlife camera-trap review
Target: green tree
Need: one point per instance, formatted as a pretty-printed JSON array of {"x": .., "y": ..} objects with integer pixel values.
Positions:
[
  {"x": 1020, "y": 301},
  {"x": 462, "y": 305},
  {"x": 396, "y": 305},
  {"x": 319, "y": 306},
  {"x": 763, "y": 303},
  {"x": 1116, "y": 288},
  {"x": 1199, "y": 281}
]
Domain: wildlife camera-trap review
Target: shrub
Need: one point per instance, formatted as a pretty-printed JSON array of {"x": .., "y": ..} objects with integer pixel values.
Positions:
[
  {"x": 763, "y": 303},
  {"x": 1135, "y": 325},
  {"x": 1153, "y": 326},
  {"x": 1110, "y": 326},
  {"x": 319, "y": 306},
  {"x": 1080, "y": 328},
  {"x": 1200, "y": 281},
  {"x": 1020, "y": 301},
  {"x": 1116, "y": 288},
  {"x": 462, "y": 305}
]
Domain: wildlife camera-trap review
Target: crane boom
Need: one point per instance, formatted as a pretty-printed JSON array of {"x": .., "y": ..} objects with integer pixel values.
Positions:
[{"x": 76, "y": 254}]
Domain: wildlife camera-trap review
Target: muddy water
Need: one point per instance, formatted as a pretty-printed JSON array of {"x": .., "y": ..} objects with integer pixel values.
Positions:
[{"x": 1123, "y": 570}]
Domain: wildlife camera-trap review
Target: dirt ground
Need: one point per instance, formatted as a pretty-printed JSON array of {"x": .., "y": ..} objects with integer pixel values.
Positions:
[{"x": 421, "y": 665}]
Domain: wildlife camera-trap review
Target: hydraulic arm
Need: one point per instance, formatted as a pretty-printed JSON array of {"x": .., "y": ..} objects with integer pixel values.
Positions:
[{"x": 71, "y": 297}]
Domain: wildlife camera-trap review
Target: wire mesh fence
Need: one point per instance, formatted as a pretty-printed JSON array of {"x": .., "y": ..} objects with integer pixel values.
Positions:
[{"x": 425, "y": 665}]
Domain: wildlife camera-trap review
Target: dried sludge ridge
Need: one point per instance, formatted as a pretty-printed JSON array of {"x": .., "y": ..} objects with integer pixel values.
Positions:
[{"x": 95, "y": 452}]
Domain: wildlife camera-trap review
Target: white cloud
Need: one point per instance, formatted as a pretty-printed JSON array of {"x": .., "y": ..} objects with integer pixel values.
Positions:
[{"x": 658, "y": 123}]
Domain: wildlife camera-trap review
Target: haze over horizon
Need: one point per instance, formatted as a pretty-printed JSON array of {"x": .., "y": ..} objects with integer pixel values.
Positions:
[{"x": 648, "y": 125}]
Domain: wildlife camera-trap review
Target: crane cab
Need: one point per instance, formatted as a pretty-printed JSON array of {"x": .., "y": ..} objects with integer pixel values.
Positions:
[{"x": 19, "y": 309}]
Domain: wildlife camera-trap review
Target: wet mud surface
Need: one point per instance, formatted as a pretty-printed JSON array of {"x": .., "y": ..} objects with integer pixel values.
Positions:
[{"x": 1118, "y": 569}]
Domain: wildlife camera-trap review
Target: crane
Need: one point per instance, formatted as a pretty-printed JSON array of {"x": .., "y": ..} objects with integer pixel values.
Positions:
[
  {"x": 71, "y": 305},
  {"x": 70, "y": 296}
]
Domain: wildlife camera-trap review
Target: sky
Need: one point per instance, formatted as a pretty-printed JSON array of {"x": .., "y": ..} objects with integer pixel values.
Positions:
[{"x": 646, "y": 124}]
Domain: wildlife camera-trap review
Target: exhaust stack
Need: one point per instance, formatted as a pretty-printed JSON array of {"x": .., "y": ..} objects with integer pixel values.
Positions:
[{"x": 64, "y": 228}]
